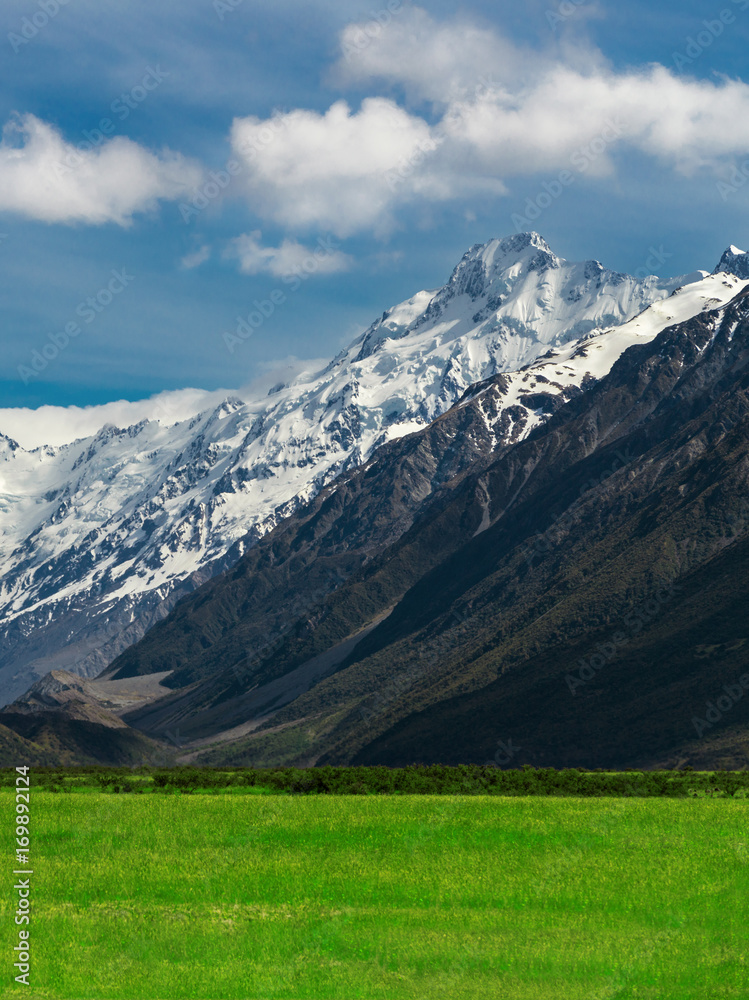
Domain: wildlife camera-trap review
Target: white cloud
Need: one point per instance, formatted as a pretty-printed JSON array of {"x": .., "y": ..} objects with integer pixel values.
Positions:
[
  {"x": 289, "y": 258},
  {"x": 44, "y": 177},
  {"x": 503, "y": 111},
  {"x": 509, "y": 111},
  {"x": 334, "y": 171},
  {"x": 434, "y": 62},
  {"x": 687, "y": 124},
  {"x": 59, "y": 425},
  {"x": 347, "y": 172},
  {"x": 192, "y": 260},
  {"x": 55, "y": 426}
]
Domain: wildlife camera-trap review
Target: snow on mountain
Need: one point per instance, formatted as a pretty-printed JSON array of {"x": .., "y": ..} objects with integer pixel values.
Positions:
[
  {"x": 100, "y": 536},
  {"x": 513, "y": 297},
  {"x": 550, "y": 377},
  {"x": 734, "y": 261}
]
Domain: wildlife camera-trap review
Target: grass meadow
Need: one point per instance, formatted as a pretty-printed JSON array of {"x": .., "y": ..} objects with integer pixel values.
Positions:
[{"x": 244, "y": 896}]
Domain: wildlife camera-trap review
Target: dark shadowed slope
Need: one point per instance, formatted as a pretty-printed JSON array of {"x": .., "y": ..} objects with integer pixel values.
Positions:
[
  {"x": 623, "y": 521},
  {"x": 579, "y": 594}
]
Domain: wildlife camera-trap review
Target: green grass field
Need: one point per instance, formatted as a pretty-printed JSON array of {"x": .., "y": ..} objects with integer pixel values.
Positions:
[{"x": 253, "y": 896}]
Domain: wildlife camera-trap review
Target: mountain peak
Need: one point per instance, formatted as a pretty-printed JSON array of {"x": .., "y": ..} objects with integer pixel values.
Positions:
[
  {"x": 516, "y": 294},
  {"x": 510, "y": 246},
  {"x": 500, "y": 260},
  {"x": 8, "y": 445},
  {"x": 500, "y": 254},
  {"x": 734, "y": 261},
  {"x": 105, "y": 529}
]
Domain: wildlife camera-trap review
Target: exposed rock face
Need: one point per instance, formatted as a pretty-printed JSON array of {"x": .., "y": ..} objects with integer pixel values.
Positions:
[
  {"x": 615, "y": 535},
  {"x": 100, "y": 538}
]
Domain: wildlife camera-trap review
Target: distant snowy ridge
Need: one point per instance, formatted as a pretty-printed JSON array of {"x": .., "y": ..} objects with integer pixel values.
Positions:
[
  {"x": 59, "y": 425},
  {"x": 551, "y": 376},
  {"x": 97, "y": 537}
]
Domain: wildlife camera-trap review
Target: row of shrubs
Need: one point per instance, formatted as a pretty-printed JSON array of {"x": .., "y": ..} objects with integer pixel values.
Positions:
[{"x": 466, "y": 779}]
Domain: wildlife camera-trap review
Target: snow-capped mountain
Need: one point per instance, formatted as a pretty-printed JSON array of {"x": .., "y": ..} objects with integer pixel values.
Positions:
[
  {"x": 734, "y": 261},
  {"x": 529, "y": 396},
  {"x": 100, "y": 537}
]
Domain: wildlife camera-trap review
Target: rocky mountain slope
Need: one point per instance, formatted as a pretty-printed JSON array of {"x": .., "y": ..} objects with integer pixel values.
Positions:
[
  {"x": 99, "y": 538},
  {"x": 572, "y": 587},
  {"x": 577, "y": 601}
]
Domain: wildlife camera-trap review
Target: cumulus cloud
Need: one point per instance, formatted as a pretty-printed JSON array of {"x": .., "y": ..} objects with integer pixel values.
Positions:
[
  {"x": 59, "y": 425},
  {"x": 55, "y": 426},
  {"x": 524, "y": 111},
  {"x": 687, "y": 124},
  {"x": 504, "y": 113},
  {"x": 334, "y": 171},
  {"x": 289, "y": 258},
  {"x": 432, "y": 61},
  {"x": 44, "y": 177}
]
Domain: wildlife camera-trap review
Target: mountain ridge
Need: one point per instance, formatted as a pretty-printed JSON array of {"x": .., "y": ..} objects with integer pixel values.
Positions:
[
  {"x": 102, "y": 536},
  {"x": 493, "y": 590},
  {"x": 427, "y": 696}
]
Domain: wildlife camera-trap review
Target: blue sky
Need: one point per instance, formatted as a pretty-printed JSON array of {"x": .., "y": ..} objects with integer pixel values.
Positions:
[{"x": 177, "y": 163}]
